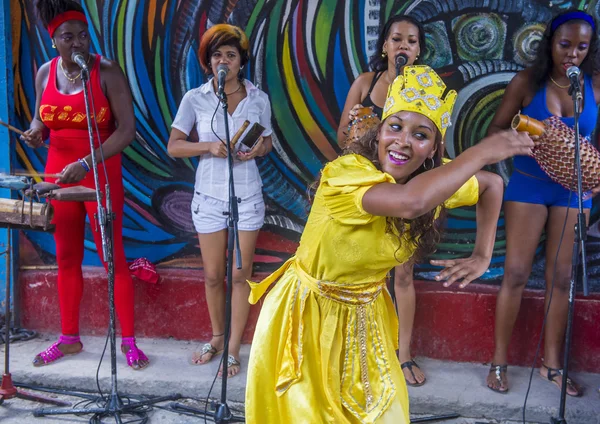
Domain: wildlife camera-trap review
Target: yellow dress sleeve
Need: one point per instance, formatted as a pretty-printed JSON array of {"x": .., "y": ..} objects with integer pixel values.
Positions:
[
  {"x": 344, "y": 182},
  {"x": 467, "y": 195}
]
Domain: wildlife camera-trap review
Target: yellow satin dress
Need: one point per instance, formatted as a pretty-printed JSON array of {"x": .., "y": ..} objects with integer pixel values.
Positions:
[{"x": 325, "y": 342}]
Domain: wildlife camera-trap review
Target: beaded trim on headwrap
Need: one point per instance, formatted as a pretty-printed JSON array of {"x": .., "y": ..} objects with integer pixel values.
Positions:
[
  {"x": 71, "y": 15},
  {"x": 420, "y": 90}
]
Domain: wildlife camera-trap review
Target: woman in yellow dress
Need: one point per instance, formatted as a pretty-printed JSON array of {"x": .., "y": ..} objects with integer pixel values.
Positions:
[{"x": 324, "y": 345}]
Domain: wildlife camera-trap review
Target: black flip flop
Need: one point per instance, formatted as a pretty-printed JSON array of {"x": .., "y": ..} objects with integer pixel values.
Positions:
[{"x": 409, "y": 365}]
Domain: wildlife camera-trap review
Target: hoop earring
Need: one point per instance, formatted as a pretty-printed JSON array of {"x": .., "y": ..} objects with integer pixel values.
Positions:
[
  {"x": 53, "y": 44},
  {"x": 432, "y": 164}
]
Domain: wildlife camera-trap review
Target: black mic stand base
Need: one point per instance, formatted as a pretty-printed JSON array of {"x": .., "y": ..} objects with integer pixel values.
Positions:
[
  {"x": 113, "y": 404},
  {"x": 114, "y": 408},
  {"x": 221, "y": 414}
]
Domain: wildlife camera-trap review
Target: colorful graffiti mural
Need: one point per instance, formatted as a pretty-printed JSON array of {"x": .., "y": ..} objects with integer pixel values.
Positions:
[{"x": 306, "y": 53}]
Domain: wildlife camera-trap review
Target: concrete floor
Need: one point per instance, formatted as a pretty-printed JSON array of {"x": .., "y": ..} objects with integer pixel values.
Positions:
[{"x": 451, "y": 387}]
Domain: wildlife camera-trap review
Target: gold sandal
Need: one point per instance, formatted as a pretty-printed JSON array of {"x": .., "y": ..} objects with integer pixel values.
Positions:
[
  {"x": 207, "y": 349},
  {"x": 231, "y": 362}
]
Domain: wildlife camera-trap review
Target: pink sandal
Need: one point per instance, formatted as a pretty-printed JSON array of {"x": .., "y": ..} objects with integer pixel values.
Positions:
[
  {"x": 53, "y": 353},
  {"x": 134, "y": 354}
]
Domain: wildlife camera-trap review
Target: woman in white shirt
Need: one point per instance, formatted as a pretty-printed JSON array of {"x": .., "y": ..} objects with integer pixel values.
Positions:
[{"x": 200, "y": 110}]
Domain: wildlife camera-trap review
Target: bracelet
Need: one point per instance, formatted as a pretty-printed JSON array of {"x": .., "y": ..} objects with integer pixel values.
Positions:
[{"x": 84, "y": 164}]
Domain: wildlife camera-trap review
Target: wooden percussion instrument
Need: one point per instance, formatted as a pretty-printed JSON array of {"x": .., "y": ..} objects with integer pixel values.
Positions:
[
  {"x": 555, "y": 152},
  {"x": 72, "y": 194},
  {"x": 25, "y": 214},
  {"x": 66, "y": 194},
  {"x": 40, "y": 189},
  {"x": 239, "y": 133}
]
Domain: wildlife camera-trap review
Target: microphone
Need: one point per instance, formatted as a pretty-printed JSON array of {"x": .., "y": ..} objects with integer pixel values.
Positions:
[
  {"x": 401, "y": 60},
  {"x": 77, "y": 57},
  {"x": 573, "y": 74},
  {"x": 222, "y": 71}
]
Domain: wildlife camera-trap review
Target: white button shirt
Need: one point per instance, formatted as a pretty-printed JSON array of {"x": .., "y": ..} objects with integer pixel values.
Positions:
[{"x": 212, "y": 176}]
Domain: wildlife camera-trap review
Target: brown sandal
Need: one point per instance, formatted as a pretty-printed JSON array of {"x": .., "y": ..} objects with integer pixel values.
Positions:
[{"x": 500, "y": 371}]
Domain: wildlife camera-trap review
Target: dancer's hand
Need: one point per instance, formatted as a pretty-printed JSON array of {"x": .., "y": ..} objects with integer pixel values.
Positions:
[
  {"x": 505, "y": 144},
  {"x": 464, "y": 270},
  {"x": 72, "y": 173},
  {"x": 257, "y": 150},
  {"x": 32, "y": 137}
]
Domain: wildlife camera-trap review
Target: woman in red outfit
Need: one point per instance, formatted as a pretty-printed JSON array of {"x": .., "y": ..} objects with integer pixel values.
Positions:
[{"x": 60, "y": 108}]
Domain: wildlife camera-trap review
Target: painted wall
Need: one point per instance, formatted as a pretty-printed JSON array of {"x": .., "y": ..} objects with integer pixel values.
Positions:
[{"x": 306, "y": 53}]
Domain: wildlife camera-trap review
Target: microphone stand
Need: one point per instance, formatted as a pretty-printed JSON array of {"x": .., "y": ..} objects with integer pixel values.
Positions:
[
  {"x": 392, "y": 275},
  {"x": 578, "y": 253},
  {"x": 222, "y": 412},
  {"x": 113, "y": 405},
  {"x": 400, "y": 63}
]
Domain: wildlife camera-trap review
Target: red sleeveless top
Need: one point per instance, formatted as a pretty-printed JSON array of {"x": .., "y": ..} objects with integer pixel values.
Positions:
[{"x": 64, "y": 115}]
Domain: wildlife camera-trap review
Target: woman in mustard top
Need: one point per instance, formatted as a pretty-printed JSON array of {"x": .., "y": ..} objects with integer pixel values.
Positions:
[{"x": 324, "y": 345}]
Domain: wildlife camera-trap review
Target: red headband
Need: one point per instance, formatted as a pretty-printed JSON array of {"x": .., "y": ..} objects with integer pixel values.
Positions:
[{"x": 71, "y": 15}]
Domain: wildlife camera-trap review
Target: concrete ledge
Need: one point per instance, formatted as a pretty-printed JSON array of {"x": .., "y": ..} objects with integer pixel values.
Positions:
[
  {"x": 450, "y": 324},
  {"x": 451, "y": 387}
]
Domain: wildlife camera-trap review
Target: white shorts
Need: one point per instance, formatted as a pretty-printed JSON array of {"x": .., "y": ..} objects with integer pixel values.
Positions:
[{"x": 208, "y": 217}]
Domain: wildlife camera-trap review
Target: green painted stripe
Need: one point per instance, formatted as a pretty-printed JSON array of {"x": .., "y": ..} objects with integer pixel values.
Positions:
[
  {"x": 159, "y": 86},
  {"x": 120, "y": 32},
  {"x": 141, "y": 161},
  {"x": 253, "y": 18},
  {"x": 323, "y": 28},
  {"x": 92, "y": 8}
]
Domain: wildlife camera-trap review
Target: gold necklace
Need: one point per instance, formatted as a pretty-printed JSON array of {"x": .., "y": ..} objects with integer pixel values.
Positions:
[
  {"x": 67, "y": 75},
  {"x": 64, "y": 71},
  {"x": 558, "y": 85}
]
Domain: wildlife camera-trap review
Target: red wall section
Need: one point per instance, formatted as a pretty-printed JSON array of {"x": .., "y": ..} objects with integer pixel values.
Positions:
[{"x": 450, "y": 324}]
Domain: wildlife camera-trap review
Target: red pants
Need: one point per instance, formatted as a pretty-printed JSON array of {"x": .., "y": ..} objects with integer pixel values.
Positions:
[{"x": 69, "y": 235}]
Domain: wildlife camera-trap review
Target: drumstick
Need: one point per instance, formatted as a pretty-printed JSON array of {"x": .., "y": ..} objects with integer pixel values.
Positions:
[
  {"x": 18, "y": 131},
  {"x": 36, "y": 174},
  {"x": 10, "y": 127}
]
